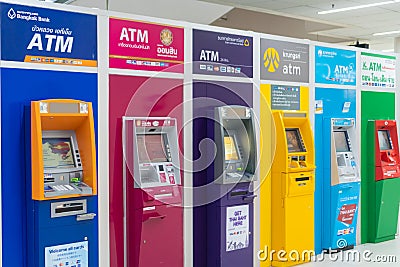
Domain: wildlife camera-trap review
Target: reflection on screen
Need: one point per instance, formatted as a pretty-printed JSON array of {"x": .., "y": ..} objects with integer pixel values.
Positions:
[
  {"x": 384, "y": 140},
  {"x": 151, "y": 148},
  {"x": 293, "y": 140},
  {"x": 230, "y": 148},
  {"x": 57, "y": 153},
  {"x": 341, "y": 141}
]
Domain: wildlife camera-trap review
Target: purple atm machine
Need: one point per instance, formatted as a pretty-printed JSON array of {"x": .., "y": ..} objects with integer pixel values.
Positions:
[{"x": 230, "y": 217}]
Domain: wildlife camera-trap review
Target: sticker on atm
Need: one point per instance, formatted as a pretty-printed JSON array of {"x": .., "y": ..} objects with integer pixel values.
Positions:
[
  {"x": 346, "y": 231},
  {"x": 346, "y": 214}
]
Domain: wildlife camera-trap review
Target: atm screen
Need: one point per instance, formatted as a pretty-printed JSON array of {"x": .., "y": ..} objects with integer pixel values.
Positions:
[
  {"x": 341, "y": 141},
  {"x": 230, "y": 148},
  {"x": 57, "y": 153},
  {"x": 384, "y": 140},
  {"x": 294, "y": 141},
  {"x": 151, "y": 148}
]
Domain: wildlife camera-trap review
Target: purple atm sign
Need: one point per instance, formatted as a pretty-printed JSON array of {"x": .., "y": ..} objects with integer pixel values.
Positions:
[{"x": 222, "y": 54}]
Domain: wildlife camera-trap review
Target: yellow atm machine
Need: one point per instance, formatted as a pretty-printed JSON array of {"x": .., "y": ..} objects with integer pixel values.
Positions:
[
  {"x": 61, "y": 206},
  {"x": 293, "y": 189}
]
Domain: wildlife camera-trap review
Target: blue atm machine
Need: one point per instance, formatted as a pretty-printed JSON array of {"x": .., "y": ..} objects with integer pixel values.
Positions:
[
  {"x": 344, "y": 188},
  {"x": 338, "y": 176},
  {"x": 61, "y": 184}
]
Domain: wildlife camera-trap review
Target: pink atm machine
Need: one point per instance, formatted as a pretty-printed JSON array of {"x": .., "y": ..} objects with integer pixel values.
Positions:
[{"x": 153, "y": 195}]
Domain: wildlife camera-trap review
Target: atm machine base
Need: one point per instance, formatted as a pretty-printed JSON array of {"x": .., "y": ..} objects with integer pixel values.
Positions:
[
  {"x": 295, "y": 208},
  {"x": 46, "y": 232},
  {"x": 152, "y": 231},
  {"x": 387, "y": 210}
]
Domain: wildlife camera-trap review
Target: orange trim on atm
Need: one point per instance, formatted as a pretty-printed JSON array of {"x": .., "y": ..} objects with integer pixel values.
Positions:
[{"x": 81, "y": 123}]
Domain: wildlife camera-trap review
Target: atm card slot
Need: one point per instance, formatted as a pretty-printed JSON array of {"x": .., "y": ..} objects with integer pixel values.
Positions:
[
  {"x": 70, "y": 208},
  {"x": 49, "y": 180},
  {"x": 239, "y": 193},
  {"x": 302, "y": 179},
  {"x": 163, "y": 195}
]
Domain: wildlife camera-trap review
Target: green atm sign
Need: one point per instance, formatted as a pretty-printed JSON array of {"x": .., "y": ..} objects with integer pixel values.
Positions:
[{"x": 378, "y": 71}]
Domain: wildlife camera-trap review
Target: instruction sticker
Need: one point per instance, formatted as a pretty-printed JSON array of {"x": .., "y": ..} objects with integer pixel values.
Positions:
[
  {"x": 319, "y": 106},
  {"x": 237, "y": 227},
  {"x": 285, "y": 97},
  {"x": 72, "y": 254},
  {"x": 346, "y": 107}
]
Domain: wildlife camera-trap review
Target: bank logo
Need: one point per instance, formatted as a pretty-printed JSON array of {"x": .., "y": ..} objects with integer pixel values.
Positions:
[
  {"x": 341, "y": 243},
  {"x": 166, "y": 37},
  {"x": 246, "y": 42},
  {"x": 11, "y": 14},
  {"x": 320, "y": 53},
  {"x": 271, "y": 59}
]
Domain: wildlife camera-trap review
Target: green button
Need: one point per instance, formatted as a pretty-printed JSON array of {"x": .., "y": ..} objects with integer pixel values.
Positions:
[{"x": 239, "y": 169}]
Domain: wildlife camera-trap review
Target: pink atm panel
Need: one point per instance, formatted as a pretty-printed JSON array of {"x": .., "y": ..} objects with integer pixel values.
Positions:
[{"x": 153, "y": 195}]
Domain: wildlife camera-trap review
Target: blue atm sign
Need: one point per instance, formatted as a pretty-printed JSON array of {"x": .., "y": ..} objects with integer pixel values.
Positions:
[{"x": 40, "y": 35}]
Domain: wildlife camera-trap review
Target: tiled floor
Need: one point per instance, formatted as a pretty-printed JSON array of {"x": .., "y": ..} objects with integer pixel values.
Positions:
[{"x": 369, "y": 255}]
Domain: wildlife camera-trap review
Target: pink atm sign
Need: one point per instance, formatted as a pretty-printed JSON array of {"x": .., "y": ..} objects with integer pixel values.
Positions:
[{"x": 146, "y": 46}]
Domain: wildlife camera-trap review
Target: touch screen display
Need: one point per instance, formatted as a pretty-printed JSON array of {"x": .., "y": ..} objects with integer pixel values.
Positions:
[
  {"x": 151, "y": 148},
  {"x": 341, "y": 141},
  {"x": 57, "y": 153},
  {"x": 384, "y": 140},
  {"x": 230, "y": 148},
  {"x": 293, "y": 141}
]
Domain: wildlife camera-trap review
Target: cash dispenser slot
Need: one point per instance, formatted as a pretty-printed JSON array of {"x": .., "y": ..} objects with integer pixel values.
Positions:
[
  {"x": 300, "y": 184},
  {"x": 302, "y": 179},
  {"x": 68, "y": 208},
  {"x": 239, "y": 193}
]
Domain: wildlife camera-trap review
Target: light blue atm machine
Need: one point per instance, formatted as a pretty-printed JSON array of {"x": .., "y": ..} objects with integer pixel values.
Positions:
[{"x": 337, "y": 175}]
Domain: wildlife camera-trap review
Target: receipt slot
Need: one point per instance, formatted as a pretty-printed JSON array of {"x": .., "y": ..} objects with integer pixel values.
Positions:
[
  {"x": 62, "y": 229},
  {"x": 342, "y": 190},
  {"x": 385, "y": 186},
  {"x": 230, "y": 218},
  {"x": 293, "y": 188},
  {"x": 153, "y": 195}
]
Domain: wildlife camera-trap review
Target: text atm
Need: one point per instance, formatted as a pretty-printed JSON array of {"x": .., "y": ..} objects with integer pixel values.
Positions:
[
  {"x": 341, "y": 197},
  {"x": 62, "y": 174},
  {"x": 293, "y": 187},
  {"x": 230, "y": 217},
  {"x": 153, "y": 197},
  {"x": 385, "y": 198}
]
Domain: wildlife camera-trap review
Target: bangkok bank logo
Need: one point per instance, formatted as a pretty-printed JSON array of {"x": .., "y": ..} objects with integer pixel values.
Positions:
[
  {"x": 271, "y": 59},
  {"x": 166, "y": 37},
  {"x": 11, "y": 14}
]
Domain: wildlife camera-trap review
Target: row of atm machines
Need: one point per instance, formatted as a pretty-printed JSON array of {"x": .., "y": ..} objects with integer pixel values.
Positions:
[{"x": 62, "y": 174}]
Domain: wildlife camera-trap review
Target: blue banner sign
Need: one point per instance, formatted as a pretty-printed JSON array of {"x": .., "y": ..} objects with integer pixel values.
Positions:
[
  {"x": 335, "y": 66},
  {"x": 40, "y": 35}
]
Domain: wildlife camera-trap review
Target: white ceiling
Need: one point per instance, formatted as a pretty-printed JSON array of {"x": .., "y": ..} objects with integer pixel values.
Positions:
[
  {"x": 295, "y": 18},
  {"x": 355, "y": 25}
]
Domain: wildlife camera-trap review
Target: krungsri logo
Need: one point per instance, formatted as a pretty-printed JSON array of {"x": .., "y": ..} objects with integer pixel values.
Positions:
[
  {"x": 271, "y": 59},
  {"x": 11, "y": 14}
]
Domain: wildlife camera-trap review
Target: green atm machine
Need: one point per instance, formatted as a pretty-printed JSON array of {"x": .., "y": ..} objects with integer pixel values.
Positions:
[{"x": 383, "y": 180}]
